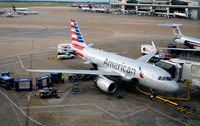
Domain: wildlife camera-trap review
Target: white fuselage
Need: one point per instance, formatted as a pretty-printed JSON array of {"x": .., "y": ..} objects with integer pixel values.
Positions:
[
  {"x": 22, "y": 9},
  {"x": 189, "y": 41},
  {"x": 129, "y": 69},
  {"x": 103, "y": 10},
  {"x": 27, "y": 12},
  {"x": 85, "y": 9}
]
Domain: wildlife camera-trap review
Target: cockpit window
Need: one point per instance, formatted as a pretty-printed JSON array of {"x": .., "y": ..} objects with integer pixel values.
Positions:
[
  {"x": 164, "y": 78},
  {"x": 169, "y": 78}
]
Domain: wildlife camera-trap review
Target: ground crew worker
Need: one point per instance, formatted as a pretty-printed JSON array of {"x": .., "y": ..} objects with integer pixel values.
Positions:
[
  {"x": 70, "y": 77},
  {"x": 62, "y": 78},
  {"x": 83, "y": 76}
]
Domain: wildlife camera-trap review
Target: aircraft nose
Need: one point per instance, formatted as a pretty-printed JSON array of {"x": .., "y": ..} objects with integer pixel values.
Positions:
[{"x": 174, "y": 86}]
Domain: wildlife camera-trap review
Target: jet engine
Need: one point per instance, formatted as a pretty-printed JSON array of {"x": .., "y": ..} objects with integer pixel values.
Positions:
[
  {"x": 180, "y": 41},
  {"x": 106, "y": 85}
]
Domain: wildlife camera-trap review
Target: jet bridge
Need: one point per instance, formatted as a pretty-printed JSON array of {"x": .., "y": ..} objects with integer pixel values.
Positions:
[{"x": 182, "y": 70}]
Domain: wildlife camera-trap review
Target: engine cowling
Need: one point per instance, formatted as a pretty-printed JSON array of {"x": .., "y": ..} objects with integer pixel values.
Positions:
[{"x": 106, "y": 85}]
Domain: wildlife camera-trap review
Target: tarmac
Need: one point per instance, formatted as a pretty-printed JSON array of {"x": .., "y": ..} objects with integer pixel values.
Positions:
[{"x": 32, "y": 37}]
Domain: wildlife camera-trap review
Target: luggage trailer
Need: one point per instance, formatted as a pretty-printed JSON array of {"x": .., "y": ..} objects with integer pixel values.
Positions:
[{"x": 23, "y": 84}]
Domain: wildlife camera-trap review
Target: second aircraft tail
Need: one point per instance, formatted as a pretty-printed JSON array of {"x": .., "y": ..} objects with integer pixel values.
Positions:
[{"x": 176, "y": 30}]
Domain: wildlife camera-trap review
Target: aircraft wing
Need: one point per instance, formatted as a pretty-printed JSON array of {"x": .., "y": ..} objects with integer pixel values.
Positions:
[
  {"x": 91, "y": 72},
  {"x": 147, "y": 57}
]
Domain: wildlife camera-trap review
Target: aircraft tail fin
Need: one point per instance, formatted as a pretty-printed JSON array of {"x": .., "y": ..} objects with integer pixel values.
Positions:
[
  {"x": 154, "y": 47},
  {"x": 175, "y": 28},
  {"x": 14, "y": 8},
  {"x": 77, "y": 38},
  {"x": 90, "y": 6}
]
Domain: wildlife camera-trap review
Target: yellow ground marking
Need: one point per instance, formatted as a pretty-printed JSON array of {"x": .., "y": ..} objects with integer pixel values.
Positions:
[
  {"x": 171, "y": 98},
  {"x": 55, "y": 58}
]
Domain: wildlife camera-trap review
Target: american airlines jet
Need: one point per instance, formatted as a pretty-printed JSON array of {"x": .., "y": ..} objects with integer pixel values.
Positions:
[
  {"x": 24, "y": 11},
  {"x": 182, "y": 39},
  {"x": 85, "y": 8},
  {"x": 20, "y": 9},
  {"x": 94, "y": 9},
  {"x": 110, "y": 67}
]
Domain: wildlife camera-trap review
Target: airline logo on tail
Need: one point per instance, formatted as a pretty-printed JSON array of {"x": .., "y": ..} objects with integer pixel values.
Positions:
[
  {"x": 77, "y": 39},
  {"x": 177, "y": 31},
  {"x": 14, "y": 8},
  {"x": 76, "y": 34}
]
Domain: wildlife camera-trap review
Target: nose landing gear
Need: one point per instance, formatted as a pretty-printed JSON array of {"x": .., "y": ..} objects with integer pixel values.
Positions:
[{"x": 153, "y": 95}]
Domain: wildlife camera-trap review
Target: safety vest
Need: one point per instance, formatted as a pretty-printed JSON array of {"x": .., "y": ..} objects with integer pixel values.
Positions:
[{"x": 62, "y": 78}]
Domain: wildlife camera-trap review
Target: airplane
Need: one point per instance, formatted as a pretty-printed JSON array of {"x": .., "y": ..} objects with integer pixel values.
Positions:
[
  {"x": 27, "y": 12},
  {"x": 140, "y": 13},
  {"x": 83, "y": 5},
  {"x": 20, "y": 9},
  {"x": 2, "y": 12},
  {"x": 85, "y": 8},
  {"x": 164, "y": 14},
  {"x": 182, "y": 39},
  {"x": 110, "y": 67},
  {"x": 9, "y": 14},
  {"x": 94, "y": 9},
  {"x": 179, "y": 14},
  {"x": 100, "y": 10},
  {"x": 24, "y": 11}
]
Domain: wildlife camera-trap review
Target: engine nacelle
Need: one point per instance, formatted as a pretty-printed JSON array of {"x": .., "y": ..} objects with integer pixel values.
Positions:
[
  {"x": 106, "y": 85},
  {"x": 180, "y": 41}
]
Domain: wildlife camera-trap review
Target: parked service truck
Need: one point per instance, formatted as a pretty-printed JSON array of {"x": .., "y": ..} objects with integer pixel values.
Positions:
[
  {"x": 64, "y": 49},
  {"x": 145, "y": 49}
]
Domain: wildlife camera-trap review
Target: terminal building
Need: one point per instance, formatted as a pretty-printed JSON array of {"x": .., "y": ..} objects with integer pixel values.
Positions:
[{"x": 168, "y": 8}]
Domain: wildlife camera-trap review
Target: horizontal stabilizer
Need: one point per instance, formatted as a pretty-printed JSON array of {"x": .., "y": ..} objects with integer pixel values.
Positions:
[{"x": 172, "y": 25}]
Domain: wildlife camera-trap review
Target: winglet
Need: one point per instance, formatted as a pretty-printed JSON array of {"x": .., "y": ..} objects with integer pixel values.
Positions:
[
  {"x": 22, "y": 65},
  {"x": 154, "y": 47}
]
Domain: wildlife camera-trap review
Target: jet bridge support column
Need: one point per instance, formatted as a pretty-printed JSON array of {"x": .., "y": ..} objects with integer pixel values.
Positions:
[
  {"x": 136, "y": 9},
  {"x": 168, "y": 11},
  {"x": 123, "y": 9},
  {"x": 152, "y": 10},
  {"x": 187, "y": 12}
]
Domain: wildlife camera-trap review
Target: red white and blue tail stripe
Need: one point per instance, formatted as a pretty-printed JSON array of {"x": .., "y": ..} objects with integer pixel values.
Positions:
[
  {"x": 78, "y": 42},
  {"x": 77, "y": 38}
]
